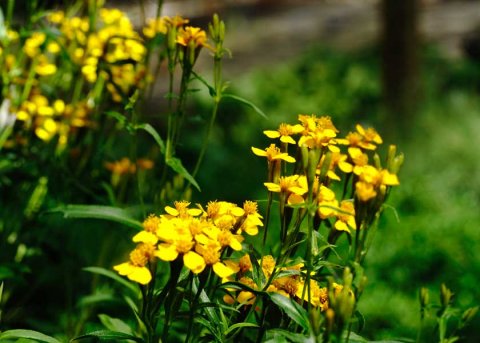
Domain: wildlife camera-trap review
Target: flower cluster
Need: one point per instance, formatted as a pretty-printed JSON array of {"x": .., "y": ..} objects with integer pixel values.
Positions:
[
  {"x": 289, "y": 281},
  {"x": 319, "y": 162},
  {"x": 196, "y": 235},
  {"x": 60, "y": 72}
]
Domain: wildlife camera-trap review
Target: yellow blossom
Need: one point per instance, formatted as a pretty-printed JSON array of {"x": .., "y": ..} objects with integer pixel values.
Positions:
[
  {"x": 284, "y": 132},
  {"x": 272, "y": 153},
  {"x": 136, "y": 269}
]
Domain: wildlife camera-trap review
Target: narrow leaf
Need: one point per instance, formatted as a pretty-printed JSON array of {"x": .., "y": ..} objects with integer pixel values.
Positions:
[
  {"x": 292, "y": 309},
  {"x": 112, "y": 275},
  {"x": 115, "y": 214},
  {"x": 239, "y": 326},
  {"x": 156, "y": 136},
  {"x": 115, "y": 324},
  {"x": 279, "y": 335},
  {"x": 28, "y": 334},
  {"x": 117, "y": 116},
  {"x": 177, "y": 166},
  {"x": 108, "y": 335},
  {"x": 245, "y": 102},
  {"x": 211, "y": 90}
]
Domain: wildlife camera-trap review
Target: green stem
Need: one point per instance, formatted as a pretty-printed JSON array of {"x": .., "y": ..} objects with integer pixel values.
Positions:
[{"x": 207, "y": 136}]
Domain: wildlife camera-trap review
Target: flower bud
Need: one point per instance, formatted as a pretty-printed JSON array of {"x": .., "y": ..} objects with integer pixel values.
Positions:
[
  {"x": 424, "y": 297},
  {"x": 469, "y": 314},
  {"x": 445, "y": 295}
]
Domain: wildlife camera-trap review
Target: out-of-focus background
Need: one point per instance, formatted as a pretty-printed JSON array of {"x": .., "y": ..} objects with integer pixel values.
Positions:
[{"x": 409, "y": 68}]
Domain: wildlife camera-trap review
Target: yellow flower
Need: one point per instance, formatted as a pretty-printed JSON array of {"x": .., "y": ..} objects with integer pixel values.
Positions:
[
  {"x": 365, "y": 191},
  {"x": 176, "y": 21},
  {"x": 155, "y": 26},
  {"x": 192, "y": 34},
  {"x": 345, "y": 216},
  {"x": 285, "y": 131},
  {"x": 327, "y": 203},
  {"x": 44, "y": 67},
  {"x": 294, "y": 186},
  {"x": 181, "y": 210},
  {"x": 136, "y": 269},
  {"x": 272, "y": 153},
  {"x": 251, "y": 219},
  {"x": 33, "y": 43},
  {"x": 121, "y": 167},
  {"x": 47, "y": 129},
  {"x": 363, "y": 138}
]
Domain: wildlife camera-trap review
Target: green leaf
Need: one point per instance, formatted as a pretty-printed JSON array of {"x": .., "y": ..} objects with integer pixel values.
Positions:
[
  {"x": 108, "y": 335},
  {"x": 97, "y": 298},
  {"x": 115, "y": 324},
  {"x": 239, "y": 326},
  {"x": 114, "y": 276},
  {"x": 245, "y": 102},
  {"x": 28, "y": 334},
  {"x": 210, "y": 88},
  {"x": 292, "y": 309},
  {"x": 279, "y": 336},
  {"x": 151, "y": 130},
  {"x": 178, "y": 167},
  {"x": 118, "y": 116},
  {"x": 115, "y": 214}
]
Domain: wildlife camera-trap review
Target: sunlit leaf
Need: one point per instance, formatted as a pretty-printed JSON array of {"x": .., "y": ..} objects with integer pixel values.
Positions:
[
  {"x": 177, "y": 166},
  {"x": 115, "y": 324},
  {"x": 156, "y": 136},
  {"x": 245, "y": 102},
  {"x": 280, "y": 336},
  {"x": 115, "y": 214},
  {"x": 239, "y": 326},
  {"x": 292, "y": 309},
  {"x": 108, "y": 335},
  {"x": 28, "y": 334}
]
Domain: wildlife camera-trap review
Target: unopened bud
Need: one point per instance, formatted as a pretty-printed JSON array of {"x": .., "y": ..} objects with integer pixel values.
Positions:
[
  {"x": 397, "y": 163},
  {"x": 376, "y": 161},
  {"x": 326, "y": 165},
  {"x": 424, "y": 297},
  {"x": 445, "y": 295},
  {"x": 469, "y": 314}
]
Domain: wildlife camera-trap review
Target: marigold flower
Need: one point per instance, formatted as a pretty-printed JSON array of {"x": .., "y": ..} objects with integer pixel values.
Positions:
[
  {"x": 345, "y": 216},
  {"x": 272, "y": 153},
  {"x": 294, "y": 186},
  {"x": 284, "y": 132},
  {"x": 136, "y": 269},
  {"x": 192, "y": 34}
]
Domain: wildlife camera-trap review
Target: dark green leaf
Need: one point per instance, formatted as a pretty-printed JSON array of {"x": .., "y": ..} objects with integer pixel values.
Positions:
[
  {"x": 28, "y": 334},
  {"x": 118, "y": 116},
  {"x": 112, "y": 275},
  {"x": 115, "y": 324},
  {"x": 178, "y": 167},
  {"x": 292, "y": 309},
  {"x": 151, "y": 130},
  {"x": 115, "y": 214},
  {"x": 279, "y": 336},
  {"x": 239, "y": 326},
  {"x": 211, "y": 90},
  {"x": 108, "y": 335},
  {"x": 245, "y": 102},
  {"x": 94, "y": 299}
]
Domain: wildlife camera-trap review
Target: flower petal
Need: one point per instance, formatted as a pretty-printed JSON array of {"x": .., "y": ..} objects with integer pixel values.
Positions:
[{"x": 194, "y": 262}]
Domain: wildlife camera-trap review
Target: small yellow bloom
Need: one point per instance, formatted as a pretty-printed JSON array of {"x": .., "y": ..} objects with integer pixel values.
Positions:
[
  {"x": 345, "y": 216},
  {"x": 136, "y": 269},
  {"x": 284, "y": 132},
  {"x": 272, "y": 153}
]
